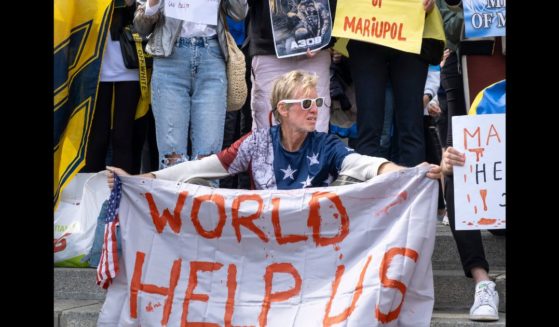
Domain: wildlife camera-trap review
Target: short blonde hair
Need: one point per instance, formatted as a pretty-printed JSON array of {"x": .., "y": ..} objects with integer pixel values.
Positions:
[{"x": 286, "y": 85}]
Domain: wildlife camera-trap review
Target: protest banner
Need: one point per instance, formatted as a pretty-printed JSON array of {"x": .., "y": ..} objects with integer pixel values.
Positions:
[
  {"x": 299, "y": 25},
  {"x": 485, "y": 18},
  {"x": 396, "y": 24},
  {"x": 358, "y": 254},
  {"x": 479, "y": 185},
  {"x": 193, "y": 11}
]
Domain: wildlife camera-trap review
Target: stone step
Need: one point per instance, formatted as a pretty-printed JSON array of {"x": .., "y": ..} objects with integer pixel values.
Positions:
[
  {"x": 453, "y": 318},
  {"x": 452, "y": 289},
  {"x": 73, "y": 313},
  {"x": 445, "y": 255},
  {"x": 84, "y": 313},
  {"x": 77, "y": 284}
]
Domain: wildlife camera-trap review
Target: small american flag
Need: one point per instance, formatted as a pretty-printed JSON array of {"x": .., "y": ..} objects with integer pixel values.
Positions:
[{"x": 108, "y": 265}]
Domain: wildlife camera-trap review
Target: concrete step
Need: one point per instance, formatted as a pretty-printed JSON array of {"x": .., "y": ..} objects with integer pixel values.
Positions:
[
  {"x": 453, "y": 318},
  {"x": 452, "y": 289},
  {"x": 77, "y": 284},
  {"x": 445, "y": 254},
  {"x": 84, "y": 313},
  {"x": 76, "y": 313}
]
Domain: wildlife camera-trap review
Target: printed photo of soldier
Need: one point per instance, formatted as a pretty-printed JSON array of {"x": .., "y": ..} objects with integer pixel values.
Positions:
[{"x": 299, "y": 25}]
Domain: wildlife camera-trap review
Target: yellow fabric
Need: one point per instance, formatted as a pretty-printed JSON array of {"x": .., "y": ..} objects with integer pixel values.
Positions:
[
  {"x": 356, "y": 19},
  {"x": 341, "y": 46},
  {"x": 434, "y": 26},
  {"x": 145, "y": 98},
  {"x": 80, "y": 31}
]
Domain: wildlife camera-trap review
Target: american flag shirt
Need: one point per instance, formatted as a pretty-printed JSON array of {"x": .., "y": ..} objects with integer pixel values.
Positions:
[{"x": 317, "y": 163}]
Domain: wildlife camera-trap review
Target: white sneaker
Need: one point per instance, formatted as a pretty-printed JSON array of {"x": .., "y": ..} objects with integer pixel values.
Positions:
[
  {"x": 445, "y": 221},
  {"x": 486, "y": 302}
]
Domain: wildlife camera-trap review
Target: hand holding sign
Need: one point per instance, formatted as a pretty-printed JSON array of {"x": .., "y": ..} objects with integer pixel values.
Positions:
[{"x": 452, "y": 157}]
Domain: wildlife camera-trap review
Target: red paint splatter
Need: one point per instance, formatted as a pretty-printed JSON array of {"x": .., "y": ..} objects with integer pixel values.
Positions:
[
  {"x": 468, "y": 197},
  {"x": 478, "y": 152},
  {"x": 486, "y": 221},
  {"x": 149, "y": 307},
  {"x": 336, "y": 216},
  {"x": 483, "y": 194},
  {"x": 336, "y": 247},
  {"x": 341, "y": 256},
  {"x": 475, "y": 209},
  {"x": 465, "y": 178},
  {"x": 470, "y": 223},
  {"x": 399, "y": 199}
]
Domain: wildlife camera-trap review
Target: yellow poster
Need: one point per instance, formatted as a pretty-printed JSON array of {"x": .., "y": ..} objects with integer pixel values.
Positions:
[{"x": 396, "y": 24}]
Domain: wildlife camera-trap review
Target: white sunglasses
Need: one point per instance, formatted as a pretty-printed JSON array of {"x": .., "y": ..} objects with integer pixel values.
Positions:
[{"x": 306, "y": 104}]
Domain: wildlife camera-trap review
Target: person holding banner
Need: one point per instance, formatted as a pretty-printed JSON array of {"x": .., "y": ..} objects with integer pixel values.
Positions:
[
  {"x": 469, "y": 242},
  {"x": 291, "y": 155},
  {"x": 189, "y": 82}
]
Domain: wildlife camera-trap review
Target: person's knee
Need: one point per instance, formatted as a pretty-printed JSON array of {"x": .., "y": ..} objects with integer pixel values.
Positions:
[{"x": 171, "y": 159}]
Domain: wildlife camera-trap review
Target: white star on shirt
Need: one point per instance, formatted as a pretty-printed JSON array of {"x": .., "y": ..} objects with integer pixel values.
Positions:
[
  {"x": 288, "y": 172},
  {"x": 329, "y": 180},
  {"x": 313, "y": 159},
  {"x": 349, "y": 149},
  {"x": 307, "y": 182}
]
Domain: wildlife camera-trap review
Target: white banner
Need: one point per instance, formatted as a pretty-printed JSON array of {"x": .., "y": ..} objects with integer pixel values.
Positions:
[
  {"x": 356, "y": 255},
  {"x": 479, "y": 186},
  {"x": 195, "y": 11}
]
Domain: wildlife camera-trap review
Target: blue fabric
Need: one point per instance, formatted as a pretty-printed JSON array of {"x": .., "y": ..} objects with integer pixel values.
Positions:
[
  {"x": 237, "y": 29},
  {"x": 350, "y": 132},
  {"x": 493, "y": 100},
  {"x": 315, "y": 164},
  {"x": 94, "y": 255}
]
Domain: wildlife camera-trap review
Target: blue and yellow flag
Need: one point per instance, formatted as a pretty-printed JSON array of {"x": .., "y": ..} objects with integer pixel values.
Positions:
[
  {"x": 80, "y": 31},
  {"x": 490, "y": 100}
]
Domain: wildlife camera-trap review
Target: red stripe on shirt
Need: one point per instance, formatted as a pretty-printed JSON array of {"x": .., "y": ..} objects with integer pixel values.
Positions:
[{"x": 227, "y": 156}]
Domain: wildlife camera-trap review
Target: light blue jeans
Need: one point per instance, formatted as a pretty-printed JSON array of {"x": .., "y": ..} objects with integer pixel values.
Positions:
[{"x": 189, "y": 92}]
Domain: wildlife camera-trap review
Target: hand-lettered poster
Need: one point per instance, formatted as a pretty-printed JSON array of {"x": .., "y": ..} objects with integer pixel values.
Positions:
[
  {"x": 298, "y": 25},
  {"x": 396, "y": 24},
  {"x": 195, "y": 11},
  {"x": 479, "y": 185},
  {"x": 353, "y": 255}
]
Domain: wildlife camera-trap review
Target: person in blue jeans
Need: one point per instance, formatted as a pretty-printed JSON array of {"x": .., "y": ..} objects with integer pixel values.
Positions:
[{"x": 189, "y": 81}]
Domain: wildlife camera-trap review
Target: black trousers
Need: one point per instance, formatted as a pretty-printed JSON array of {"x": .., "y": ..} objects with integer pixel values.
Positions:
[
  {"x": 371, "y": 66},
  {"x": 121, "y": 135},
  {"x": 468, "y": 242},
  {"x": 451, "y": 81},
  {"x": 237, "y": 124}
]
